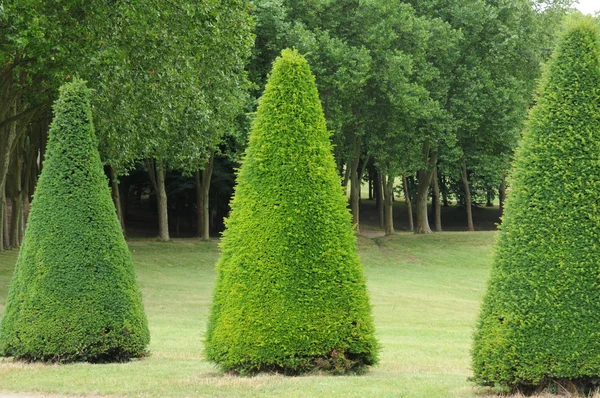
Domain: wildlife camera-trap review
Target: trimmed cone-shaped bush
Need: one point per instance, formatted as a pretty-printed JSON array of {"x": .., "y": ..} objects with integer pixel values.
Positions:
[
  {"x": 540, "y": 319},
  {"x": 290, "y": 293},
  {"x": 73, "y": 295}
]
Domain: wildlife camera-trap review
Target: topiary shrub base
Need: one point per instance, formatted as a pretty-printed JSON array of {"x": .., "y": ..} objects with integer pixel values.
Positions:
[
  {"x": 336, "y": 363},
  {"x": 112, "y": 355},
  {"x": 581, "y": 387}
]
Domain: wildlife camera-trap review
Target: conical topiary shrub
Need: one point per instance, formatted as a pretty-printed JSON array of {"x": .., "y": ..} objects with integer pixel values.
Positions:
[
  {"x": 290, "y": 293},
  {"x": 73, "y": 296},
  {"x": 540, "y": 320}
]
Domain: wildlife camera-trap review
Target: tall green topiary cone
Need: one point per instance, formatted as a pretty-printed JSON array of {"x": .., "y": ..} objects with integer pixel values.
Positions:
[
  {"x": 73, "y": 296},
  {"x": 290, "y": 293},
  {"x": 540, "y": 319}
]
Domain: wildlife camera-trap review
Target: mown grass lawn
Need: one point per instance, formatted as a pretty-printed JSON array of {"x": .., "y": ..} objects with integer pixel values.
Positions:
[{"x": 425, "y": 292}]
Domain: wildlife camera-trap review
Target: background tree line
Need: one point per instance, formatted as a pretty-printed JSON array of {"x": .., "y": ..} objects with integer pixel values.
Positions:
[{"x": 430, "y": 92}]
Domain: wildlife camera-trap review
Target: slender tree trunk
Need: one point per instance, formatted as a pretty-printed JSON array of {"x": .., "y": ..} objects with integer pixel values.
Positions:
[
  {"x": 116, "y": 195},
  {"x": 7, "y": 142},
  {"x": 31, "y": 161},
  {"x": 124, "y": 185},
  {"x": 163, "y": 223},
  {"x": 361, "y": 172},
  {"x": 489, "y": 194},
  {"x": 12, "y": 147},
  {"x": 5, "y": 238},
  {"x": 465, "y": 182},
  {"x": 379, "y": 198},
  {"x": 15, "y": 189},
  {"x": 355, "y": 185},
  {"x": 157, "y": 171},
  {"x": 16, "y": 222},
  {"x": 43, "y": 144},
  {"x": 202, "y": 190},
  {"x": 354, "y": 194},
  {"x": 371, "y": 194},
  {"x": 435, "y": 199},
  {"x": 22, "y": 225},
  {"x": 444, "y": 190},
  {"x": 411, "y": 223},
  {"x": 502, "y": 193},
  {"x": 346, "y": 176},
  {"x": 200, "y": 214},
  {"x": 28, "y": 184},
  {"x": 432, "y": 210},
  {"x": 388, "y": 193},
  {"x": 422, "y": 194},
  {"x": 2, "y": 219},
  {"x": 425, "y": 175}
]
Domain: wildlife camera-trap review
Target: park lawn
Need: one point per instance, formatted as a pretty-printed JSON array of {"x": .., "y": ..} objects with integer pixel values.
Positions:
[{"x": 425, "y": 292}]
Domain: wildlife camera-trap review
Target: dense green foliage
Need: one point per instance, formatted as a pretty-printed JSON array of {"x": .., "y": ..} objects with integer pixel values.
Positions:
[
  {"x": 183, "y": 81},
  {"x": 73, "y": 296},
  {"x": 540, "y": 318},
  {"x": 404, "y": 85},
  {"x": 290, "y": 293}
]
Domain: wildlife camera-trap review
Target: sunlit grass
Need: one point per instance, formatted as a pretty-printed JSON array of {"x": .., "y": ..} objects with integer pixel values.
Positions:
[{"x": 425, "y": 292}]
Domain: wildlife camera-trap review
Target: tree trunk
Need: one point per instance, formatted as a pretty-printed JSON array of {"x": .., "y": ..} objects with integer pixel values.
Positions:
[
  {"x": 31, "y": 162},
  {"x": 43, "y": 143},
  {"x": 355, "y": 185},
  {"x": 124, "y": 185},
  {"x": 489, "y": 194},
  {"x": 435, "y": 201},
  {"x": 444, "y": 189},
  {"x": 202, "y": 190},
  {"x": 346, "y": 176},
  {"x": 23, "y": 223},
  {"x": 163, "y": 220},
  {"x": 2, "y": 219},
  {"x": 422, "y": 194},
  {"x": 116, "y": 195},
  {"x": 157, "y": 171},
  {"x": 371, "y": 194},
  {"x": 5, "y": 238},
  {"x": 7, "y": 142},
  {"x": 354, "y": 195},
  {"x": 389, "y": 205},
  {"x": 379, "y": 198},
  {"x": 16, "y": 222},
  {"x": 411, "y": 223},
  {"x": 361, "y": 172},
  {"x": 15, "y": 190},
  {"x": 465, "y": 181},
  {"x": 425, "y": 174},
  {"x": 502, "y": 193}
]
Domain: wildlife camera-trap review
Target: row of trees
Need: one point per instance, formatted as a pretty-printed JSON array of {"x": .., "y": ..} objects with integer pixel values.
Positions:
[
  {"x": 169, "y": 82},
  {"x": 420, "y": 88},
  {"x": 410, "y": 90}
]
